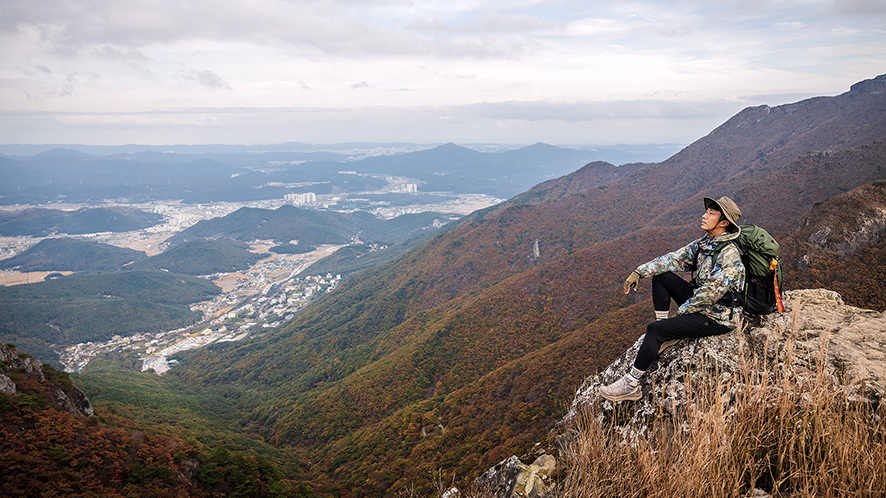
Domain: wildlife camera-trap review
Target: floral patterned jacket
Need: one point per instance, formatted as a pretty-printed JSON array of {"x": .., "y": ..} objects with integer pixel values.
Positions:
[{"x": 713, "y": 279}]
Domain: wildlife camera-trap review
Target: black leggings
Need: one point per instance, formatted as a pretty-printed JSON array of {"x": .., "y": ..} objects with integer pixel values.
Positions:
[{"x": 665, "y": 287}]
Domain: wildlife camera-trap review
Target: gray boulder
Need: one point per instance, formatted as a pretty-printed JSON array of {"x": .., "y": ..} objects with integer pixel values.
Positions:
[
  {"x": 816, "y": 327},
  {"x": 513, "y": 478}
]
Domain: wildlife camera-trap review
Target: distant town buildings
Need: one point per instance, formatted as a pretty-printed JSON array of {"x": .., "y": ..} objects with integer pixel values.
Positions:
[
  {"x": 232, "y": 316},
  {"x": 299, "y": 199},
  {"x": 406, "y": 188}
]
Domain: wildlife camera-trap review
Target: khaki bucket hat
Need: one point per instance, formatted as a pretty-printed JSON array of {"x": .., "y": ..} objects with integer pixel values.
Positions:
[{"x": 727, "y": 207}]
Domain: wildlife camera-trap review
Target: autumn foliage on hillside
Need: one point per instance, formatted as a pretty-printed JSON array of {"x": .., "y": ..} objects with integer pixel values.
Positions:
[
  {"x": 46, "y": 450},
  {"x": 444, "y": 359},
  {"x": 840, "y": 246}
]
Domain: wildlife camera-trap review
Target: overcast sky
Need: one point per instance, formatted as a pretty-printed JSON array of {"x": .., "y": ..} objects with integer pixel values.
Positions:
[{"x": 110, "y": 72}]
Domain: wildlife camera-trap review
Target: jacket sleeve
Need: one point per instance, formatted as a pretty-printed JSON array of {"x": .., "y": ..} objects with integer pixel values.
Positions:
[
  {"x": 682, "y": 259},
  {"x": 726, "y": 273}
]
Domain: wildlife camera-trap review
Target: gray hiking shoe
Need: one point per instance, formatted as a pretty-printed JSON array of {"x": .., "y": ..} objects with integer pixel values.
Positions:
[
  {"x": 621, "y": 390},
  {"x": 667, "y": 344}
]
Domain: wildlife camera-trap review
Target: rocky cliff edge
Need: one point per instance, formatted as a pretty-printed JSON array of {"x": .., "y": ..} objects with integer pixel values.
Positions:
[
  {"x": 816, "y": 330},
  {"x": 17, "y": 369}
]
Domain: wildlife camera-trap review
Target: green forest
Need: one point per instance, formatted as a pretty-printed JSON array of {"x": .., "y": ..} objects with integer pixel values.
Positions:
[
  {"x": 67, "y": 254},
  {"x": 282, "y": 225},
  {"x": 38, "y": 222},
  {"x": 96, "y": 306},
  {"x": 47, "y": 450},
  {"x": 201, "y": 257}
]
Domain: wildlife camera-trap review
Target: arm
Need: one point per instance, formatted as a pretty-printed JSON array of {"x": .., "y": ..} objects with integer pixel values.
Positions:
[{"x": 680, "y": 260}]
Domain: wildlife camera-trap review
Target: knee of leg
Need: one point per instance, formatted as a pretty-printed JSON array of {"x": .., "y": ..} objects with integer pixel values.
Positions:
[{"x": 654, "y": 328}]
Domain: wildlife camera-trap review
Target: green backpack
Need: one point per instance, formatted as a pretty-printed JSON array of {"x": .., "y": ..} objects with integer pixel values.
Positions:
[{"x": 759, "y": 254}]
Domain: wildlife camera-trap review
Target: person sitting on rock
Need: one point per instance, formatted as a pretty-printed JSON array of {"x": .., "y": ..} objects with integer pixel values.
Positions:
[{"x": 708, "y": 305}]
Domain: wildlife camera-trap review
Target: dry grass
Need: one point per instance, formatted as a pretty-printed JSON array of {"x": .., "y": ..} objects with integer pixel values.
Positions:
[{"x": 787, "y": 435}]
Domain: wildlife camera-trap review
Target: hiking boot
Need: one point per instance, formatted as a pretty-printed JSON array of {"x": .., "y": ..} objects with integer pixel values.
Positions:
[
  {"x": 621, "y": 390},
  {"x": 667, "y": 344}
]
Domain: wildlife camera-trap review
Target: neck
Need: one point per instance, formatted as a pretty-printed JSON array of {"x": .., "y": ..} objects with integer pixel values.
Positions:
[{"x": 716, "y": 231}]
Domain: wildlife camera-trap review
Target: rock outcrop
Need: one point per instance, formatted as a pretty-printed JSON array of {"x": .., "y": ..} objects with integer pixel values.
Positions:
[
  {"x": 17, "y": 365},
  {"x": 817, "y": 330},
  {"x": 511, "y": 477},
  {"x": 14, "y": 360},
  {"x": 816, "y": 327}
]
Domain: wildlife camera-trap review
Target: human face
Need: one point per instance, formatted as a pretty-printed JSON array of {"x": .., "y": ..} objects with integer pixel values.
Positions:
[{"x": 712, "y": 223}]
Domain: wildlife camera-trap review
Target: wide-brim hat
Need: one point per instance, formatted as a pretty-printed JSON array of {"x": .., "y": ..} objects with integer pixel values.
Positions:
[{"x": 727, "y": 207}]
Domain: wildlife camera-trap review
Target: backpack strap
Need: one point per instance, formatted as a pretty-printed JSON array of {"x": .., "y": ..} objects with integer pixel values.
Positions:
[
  {"x": 773, "y": 265},
  {"x": 714, "y": 255}
]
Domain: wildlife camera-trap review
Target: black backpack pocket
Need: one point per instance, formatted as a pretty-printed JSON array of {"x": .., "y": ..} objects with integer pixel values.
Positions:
[{"x": 760, "y": 299}]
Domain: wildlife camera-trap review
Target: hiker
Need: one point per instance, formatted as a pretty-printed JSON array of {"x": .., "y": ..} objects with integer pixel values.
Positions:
[{"x": 708, "y": 305}]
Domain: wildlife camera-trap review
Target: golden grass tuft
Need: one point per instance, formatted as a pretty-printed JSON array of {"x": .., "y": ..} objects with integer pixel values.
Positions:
[{"x": 784, "y": 434}]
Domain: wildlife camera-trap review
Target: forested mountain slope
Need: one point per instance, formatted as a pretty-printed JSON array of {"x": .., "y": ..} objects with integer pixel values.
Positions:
[
  {"x": 97, "y": 306},
  {"x": 201, "y": 257},
  {"x": 841, "y": 245},
  {"x": 39, "y": 222},
  {"x": 283, "y": 224},
  {"x": 486, "y": 330},
  {"x": 53, "y": 442},
  {"x": 67, "y": 254}
]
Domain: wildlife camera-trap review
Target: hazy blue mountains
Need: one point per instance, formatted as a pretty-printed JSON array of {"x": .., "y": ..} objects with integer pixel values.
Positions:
[
  {"x": 283, "y": 224},
  {"x": 66, "y": 254},
  {"x": 36, "y": 222},
  {"x": 452, "y": 168},
  {"x": 201, "y": 257},
  {"x": 232, "y": 174}
]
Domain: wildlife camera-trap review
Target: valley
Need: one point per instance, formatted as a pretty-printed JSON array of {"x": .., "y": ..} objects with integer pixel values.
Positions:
[{"x": 252, "y": 300}]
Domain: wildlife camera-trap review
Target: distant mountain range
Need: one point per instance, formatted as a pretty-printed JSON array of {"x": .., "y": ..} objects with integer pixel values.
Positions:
[
  {"x": 66, "y": 254},
  {"x": 36, "y": 222},
  {"x": 235, "y": 173},
  {"x": 201, "y": 257},
  {"x": 487, "y": 329},
  {"x": 615, "y": 154}
]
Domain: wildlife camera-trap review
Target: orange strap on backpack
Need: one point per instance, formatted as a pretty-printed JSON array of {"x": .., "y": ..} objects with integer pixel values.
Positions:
[{"x": 773, "y": 265}]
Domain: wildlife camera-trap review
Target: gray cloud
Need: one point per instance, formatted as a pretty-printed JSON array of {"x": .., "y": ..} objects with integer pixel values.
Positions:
[
  {"x": 483, "y": 22},
  {"x": 593, "y": 111},
  {"x": 68, "y": 87},
  {"x": 41, "y": 69},
  {"x": 673, "y": 65},
  {"x": 112, "y": 53},
  {"x": 209, "y": 79},
  {"x": 861, "y": 7},
  {"x": 115, "y": 29}
]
